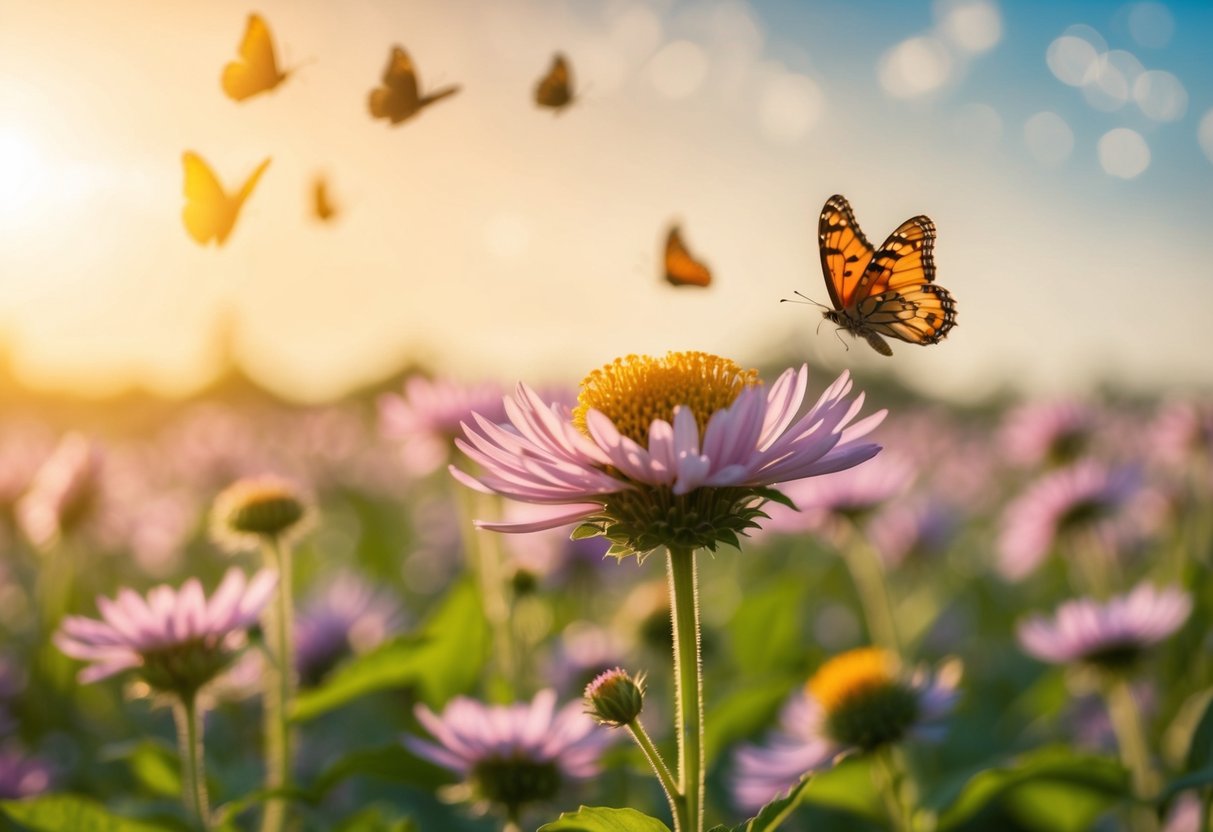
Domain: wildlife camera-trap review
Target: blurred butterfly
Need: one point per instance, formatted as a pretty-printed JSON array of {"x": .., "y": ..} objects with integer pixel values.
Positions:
[
  {"x": 209, "y": 212},
  {"x": 681, "y": 269},
  {"x": 555, "y": 89},
  {"x": 256, "y": 70},
  {"x": 398, "y": 98},
  {"x": 323, "y": 207},
  {"x": 882, "y": 293}
]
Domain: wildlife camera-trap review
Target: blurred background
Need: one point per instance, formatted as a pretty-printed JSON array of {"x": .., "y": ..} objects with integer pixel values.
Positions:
[{"x": 1064, "y": 151}]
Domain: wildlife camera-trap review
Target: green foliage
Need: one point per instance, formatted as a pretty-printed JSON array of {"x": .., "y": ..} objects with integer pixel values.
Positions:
[
  {"x": 599, "y": 819},
  {"x": 1053, "y": 788},
  {"x": 62, "y": 812},
  {"x": 393, "y": 763},
  {"x": 772, "y": 816},
  {"x": 441, "y": 661}
]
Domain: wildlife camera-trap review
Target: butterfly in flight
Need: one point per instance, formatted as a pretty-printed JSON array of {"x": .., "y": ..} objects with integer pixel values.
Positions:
[
  {"x": 681, "y": 268},
  {"x": 555, "y": 89},
  {"x": 323, "y": 207},
  {"x": 399, "y": 99},
  {"x": 886, "y": 292},
  {"x": 256, "y": 70},
  {"x": 210, "y": 213}
]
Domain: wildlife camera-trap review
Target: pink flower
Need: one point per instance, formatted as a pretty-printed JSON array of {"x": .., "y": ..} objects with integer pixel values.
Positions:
[
  {"x": 427, "y": 417},
  {"x": 177, "y": 639},
  {"x": 693, "y": 437}
]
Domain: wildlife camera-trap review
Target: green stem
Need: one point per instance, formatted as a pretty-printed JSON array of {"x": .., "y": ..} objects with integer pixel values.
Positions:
[
  {"x": 677, "y": 806},
  {"x": 888, "y": 776},
  {"x": 193, "y": 763},
  {"x": 688, "y": 677},
  {"x": 483, "y": 555},
  {"x": 868, "y": 576},
  {"x": 1134, "y": 751},
  {"x": 280, "y": 685}
]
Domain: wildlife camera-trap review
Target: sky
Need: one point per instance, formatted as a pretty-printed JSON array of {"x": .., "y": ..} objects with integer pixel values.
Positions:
[{"x": 1064, "y": 151}]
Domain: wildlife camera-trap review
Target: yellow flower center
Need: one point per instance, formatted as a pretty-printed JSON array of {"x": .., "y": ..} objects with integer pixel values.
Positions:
[
  {"x": 852, "y": 674},
  {"x": 636, "y": 390}
]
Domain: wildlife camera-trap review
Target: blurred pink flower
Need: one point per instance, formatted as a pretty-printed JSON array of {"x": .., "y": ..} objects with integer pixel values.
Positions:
[
  {"x": 919, "y": 526},
  {"x": 346, "y": 615},
  {"x": 1048, "y": 433},
  {"x": 427, "y": 418},
  {"x": 23, "y": 775},
  {"x": 176, "y": 639},
  {"x": 63, "y": 493}
]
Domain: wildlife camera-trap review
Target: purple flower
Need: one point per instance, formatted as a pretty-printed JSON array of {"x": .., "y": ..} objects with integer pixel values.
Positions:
[
  {"x": 1087, "y": 500},
  {"x": 22, "y": 775},
  {"x": 1182, "y": 433},
  {"x": 663, "y": 451},
  {"x": 918, "y": 526},
  {"x": 177, "y": 640},
  {"x": 1113, "y": 634},
  {"x": 860, "y": 700},
  {"x": 829, "y": 505},
  {"x": 1053, "y": 433},
  {"x": 512, "y": 755},
  {"x": 585, "y": 650},
  {"x": 346, "y": 616},
  {"x": 427, "y": 418}
]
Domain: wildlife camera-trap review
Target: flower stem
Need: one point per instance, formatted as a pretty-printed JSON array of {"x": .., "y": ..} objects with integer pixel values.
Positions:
[
  {"x": 1134, "y": 752},
  {"x": 868, "y": 576},
  {"x": 483, "y": 555},
  {"x": 888, "y": 776},
  {"x": 677, "y": 807},
  {"x": 193, "y": 763},
  {"x": 688, "y": 678},
  {"x": 279, "y": 685}
]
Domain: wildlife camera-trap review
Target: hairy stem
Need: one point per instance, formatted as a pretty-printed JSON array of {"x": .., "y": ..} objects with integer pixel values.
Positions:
[
  {"x": 688, "y": 678},
  {"x": 193, "y": 764},
  {"x": 279, "y": 684},
  {"x": 677, "y": 806}
]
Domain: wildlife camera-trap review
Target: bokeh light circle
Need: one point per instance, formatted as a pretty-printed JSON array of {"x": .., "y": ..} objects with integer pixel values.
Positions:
[
  {"x": 1124, "y": 153},
  {"x": 1160, "y": 95},
  {"x": 1109, "y": 81},
  {"x": 972, "y": 25},
  {"x": 1151, "y": 24},
  {"x": 914, "y": 67},
  {"x": 1204, "y": 134},
  {"x": 1049, "y": 138},
  {"x": 679, "y": 69},
  {"x": 789, "y": 106},
  {"x": 1072, "y": 57}
]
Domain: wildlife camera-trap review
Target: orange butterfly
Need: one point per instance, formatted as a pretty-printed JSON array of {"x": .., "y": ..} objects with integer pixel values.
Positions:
[
  {"x": 323, "y": 207},
  {"x": 399, "y": 98},
  {"x": 888, "y": 292},
  {"x": 681, "y": 269},
  {"x": 256, "y": 70},
  {"x": 209, "y": 213},
  {"x": 555, "y": 89}
]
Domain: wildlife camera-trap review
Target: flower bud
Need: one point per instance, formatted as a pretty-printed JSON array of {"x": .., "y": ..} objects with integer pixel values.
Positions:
[
  {"x": 614, "y": 698},
  {"x": 251, "y": 510}
]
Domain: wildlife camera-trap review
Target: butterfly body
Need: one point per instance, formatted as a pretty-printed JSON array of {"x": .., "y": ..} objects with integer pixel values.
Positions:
[
  {"x": 555, "y": 88},
  {"x": 256, "y": 70},
  {"x": 323, "y": 207},
  {"x": 210, "y": 212},
  {"x": 681, "y": 267},
  {"x": 400, "y": 98},
  {"x": 887, "y": 292}
]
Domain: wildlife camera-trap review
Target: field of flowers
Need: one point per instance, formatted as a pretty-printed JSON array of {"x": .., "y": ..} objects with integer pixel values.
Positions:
[{"x": 257, "y": 616}]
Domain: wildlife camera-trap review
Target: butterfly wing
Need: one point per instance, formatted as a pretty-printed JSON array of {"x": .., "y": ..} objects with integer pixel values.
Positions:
[
  {"x": 322, "y": 204},
  {"x": 897, "y": 295},
  {"x": 845, "y": 251},
  {"x": 682, "y": 269},
  {"x": 209, "y": 213},
  {"x": 555, "y": 88},
  {"x": 205, "y": 212},
  {"x": 257, "y": 69}
]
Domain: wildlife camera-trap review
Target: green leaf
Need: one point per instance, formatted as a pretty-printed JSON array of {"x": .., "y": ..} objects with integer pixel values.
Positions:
[
  {"x": 846, "y": 787},
  {"x": 1200, "y": 749},
  {"x": 599, "y": 819},
  {"x": 441, "y": 661},
  {"x": 61, "y": 812},
  {"x": 1191, "y": 780},
  {"x": 765, "y": 631},
  {"x": 776, "y": 496},
  {"x": 772, "y": 816},
  {"x": 587, "y": 530},
  {"x": 394, "y": 763},
  {"x": 1053, "y": 788},
  {"x": 155, "y": 764},
  {"x": 742, "y": 713}
]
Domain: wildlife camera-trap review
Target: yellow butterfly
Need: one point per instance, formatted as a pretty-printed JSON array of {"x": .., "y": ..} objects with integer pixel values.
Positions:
[
  {"x": 399, "y": 98},
  {"x": 256, "y": 70},
  {"x": 888, "y": 292},
  {"x": 323, "y": 206},
  {"x": 681, "y": 268},
  {"x": 555, "y": 88},
  {"x": 209, "y": 212}
]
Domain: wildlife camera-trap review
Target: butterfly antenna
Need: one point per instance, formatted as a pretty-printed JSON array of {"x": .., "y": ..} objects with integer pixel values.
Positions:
[
  {"x": 845, "y": 345},
  {"x": 804, "y": 299}
]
